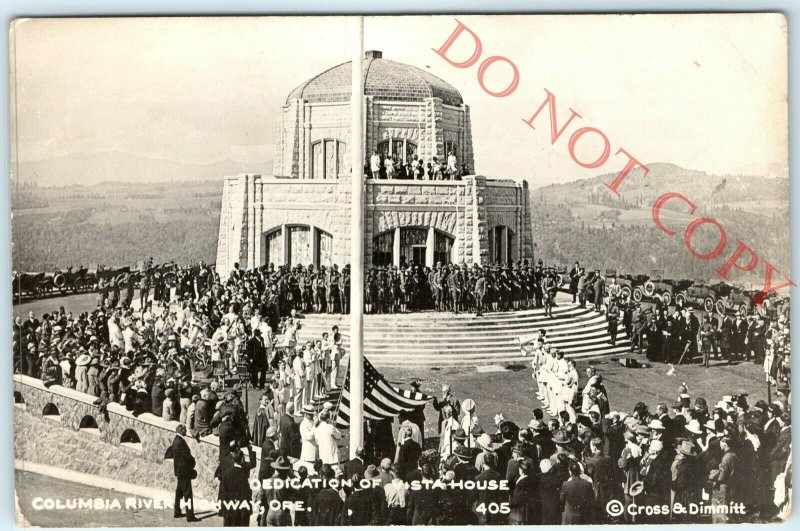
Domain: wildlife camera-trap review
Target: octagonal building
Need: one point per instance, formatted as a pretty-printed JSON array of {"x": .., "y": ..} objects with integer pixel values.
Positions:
[{"x": 301, "y": 213}]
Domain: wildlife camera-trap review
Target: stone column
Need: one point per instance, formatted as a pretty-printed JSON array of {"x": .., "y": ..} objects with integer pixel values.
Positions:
[
  {"x": 480, "y": 234},
  {"x": 286, "y": 239},
  {"x": 396, "y": 247},
  {"x": 251, "y": 222},
  {"x": 429, "y": 247},
  {"x": 504, "y": 245},
  {"x": 314, "y": 247}
]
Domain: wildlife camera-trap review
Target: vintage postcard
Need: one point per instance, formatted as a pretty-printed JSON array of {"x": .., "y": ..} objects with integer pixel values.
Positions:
[{"x": 401, "y": 270}]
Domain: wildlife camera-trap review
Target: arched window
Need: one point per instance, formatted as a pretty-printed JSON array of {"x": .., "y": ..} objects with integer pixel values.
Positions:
[
  {"x": 443, "y": 248},
  {"x": 501, "y": 245},
  {"x": 328, "y": 159},
  {"x": 383, "y": 249},
  {"x": 301, "y": 245},
  {"x": 18, "y": 398},
  {"x": 273, "y": 247},
  {"x": 130, "y": 439},
  {"x": 88, "y": 422},
  {"x": 50, "y": 412},
  {"x": 401, "y": 148},
  {"x": 89, "y": 425},
  {"x": 130, "y": 436}
]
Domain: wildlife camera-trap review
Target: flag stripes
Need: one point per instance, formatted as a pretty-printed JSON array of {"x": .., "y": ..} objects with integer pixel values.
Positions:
[{"x": 381, "y": 399}]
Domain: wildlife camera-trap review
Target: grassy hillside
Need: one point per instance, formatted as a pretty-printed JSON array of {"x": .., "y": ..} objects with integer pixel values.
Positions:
[
  {"x": 115, "y": 224},
  {"x": 584, "y": 221}
]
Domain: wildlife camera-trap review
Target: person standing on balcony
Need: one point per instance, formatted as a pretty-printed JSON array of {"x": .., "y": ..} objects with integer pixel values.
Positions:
[
  {"x": 452, "y": 165},
  {"x": 375, "y": 165}
]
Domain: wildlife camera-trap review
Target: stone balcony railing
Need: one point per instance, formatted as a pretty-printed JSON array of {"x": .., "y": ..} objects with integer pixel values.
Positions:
[{"x": 62, "y": 427}]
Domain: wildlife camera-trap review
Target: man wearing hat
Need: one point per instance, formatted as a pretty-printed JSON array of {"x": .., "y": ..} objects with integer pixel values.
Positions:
[
  {"x": 689, "y": 476},
  {"x": 308, "y": 451},
  {"x": 184, "y": 469}
]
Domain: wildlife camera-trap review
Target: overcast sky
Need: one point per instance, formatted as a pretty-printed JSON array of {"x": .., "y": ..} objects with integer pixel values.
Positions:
[{"x": 705, "y": 92}]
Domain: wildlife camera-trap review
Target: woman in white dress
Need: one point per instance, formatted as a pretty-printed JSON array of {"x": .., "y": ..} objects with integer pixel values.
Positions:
[{"x": 449, "y": 428}]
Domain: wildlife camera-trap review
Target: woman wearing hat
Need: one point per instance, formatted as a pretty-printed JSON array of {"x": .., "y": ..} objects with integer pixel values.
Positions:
[
  {"x": 629, "y": 463},
  {"x": 273, "y": 498}
]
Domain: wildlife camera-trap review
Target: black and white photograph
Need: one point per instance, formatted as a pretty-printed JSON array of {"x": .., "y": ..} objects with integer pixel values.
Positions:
[{"x": 412, "y": 270}]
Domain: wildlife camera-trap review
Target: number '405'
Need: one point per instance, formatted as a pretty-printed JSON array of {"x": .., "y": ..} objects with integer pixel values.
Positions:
[{"x": 493, "y": 508}]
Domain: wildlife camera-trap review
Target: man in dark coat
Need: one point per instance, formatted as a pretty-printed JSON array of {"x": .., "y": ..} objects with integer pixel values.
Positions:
[
  {"x": 578, "y": 498},
  {"x": 287, "y": 428},
  {"x": 525, "y": 503},
  {"x": 600, "y": 468},
  {"x": 261, "y": 423},
  {"x": 234, "y": 488},
  {"x": 550, "y": 494},
  {"x": 327, "y": 508},
  {"x": 257, "y": 356},
  {"x": 485, "y": 497},
  {"x": 183, "y": 465},
  {"x": 356, "y": 465},
  {"x": 657, "y": 478},
  {"x": 267, "y": 447}
]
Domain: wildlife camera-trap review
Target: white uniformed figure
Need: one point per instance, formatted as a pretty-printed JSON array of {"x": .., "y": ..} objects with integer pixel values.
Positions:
[
  {"x": 326, "y": 435},
  {"x": 298, "y": 382},
  {"x": 562, "y": 370},
  {"x": 586, "y": 401},
  {"x": 308, "y": 450},
  {"x": 571, "y": 388}
]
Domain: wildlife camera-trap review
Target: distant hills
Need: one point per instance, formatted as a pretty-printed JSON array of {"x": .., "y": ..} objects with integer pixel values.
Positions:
[
  {"x": 582, "y": 220},
  {"x": 93, "y": 168}
]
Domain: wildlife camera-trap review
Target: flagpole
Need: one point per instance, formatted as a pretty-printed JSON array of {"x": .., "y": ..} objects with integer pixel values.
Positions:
[{"x": 357, "y": 246}]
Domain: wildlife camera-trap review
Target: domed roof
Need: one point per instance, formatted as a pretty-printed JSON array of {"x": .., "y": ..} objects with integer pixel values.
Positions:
[{"x": 385, "y": 80}]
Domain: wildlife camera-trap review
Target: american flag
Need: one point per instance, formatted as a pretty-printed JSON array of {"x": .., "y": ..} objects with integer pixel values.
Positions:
[{"x": 381, "y": 400}]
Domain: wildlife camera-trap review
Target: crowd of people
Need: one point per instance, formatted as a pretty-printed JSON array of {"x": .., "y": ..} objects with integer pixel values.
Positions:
[
  {"x": 384, "y": 166},
  {"x": 572, "y": 458},
  {"x": 687, "y": 462}
]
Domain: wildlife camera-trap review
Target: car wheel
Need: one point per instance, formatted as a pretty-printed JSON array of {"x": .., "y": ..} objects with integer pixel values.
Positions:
[
  {"x": 680, "y": 299},
  {"x": 721, "y": 307},
  {"x": 666, "y": 298},
  {"x": 708, "y": 304},
  {"x": 649, "y": 288},
  {"x": 637, "y": 294}
]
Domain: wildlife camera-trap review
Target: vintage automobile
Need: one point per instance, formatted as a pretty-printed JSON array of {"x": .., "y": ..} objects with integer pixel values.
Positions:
[
  {"x": 699, "y": 294},
  {"x": 723, "y": 298},
  {"x": 69, "y": 280},
  {"x": 27, "y": 284},
  {"x": 664, "y": 289},
  {"x": 632, "y": 286}
]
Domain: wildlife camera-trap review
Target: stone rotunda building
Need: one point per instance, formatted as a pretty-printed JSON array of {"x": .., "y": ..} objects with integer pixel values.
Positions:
[{"x": 301, "y": 213}]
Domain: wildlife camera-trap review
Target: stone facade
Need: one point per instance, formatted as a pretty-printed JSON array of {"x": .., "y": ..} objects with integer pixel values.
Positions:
[
  {"x": 61, "y": 441},
  {"x": 301, "y": 215},
  {"x": 255, "y": 207}
]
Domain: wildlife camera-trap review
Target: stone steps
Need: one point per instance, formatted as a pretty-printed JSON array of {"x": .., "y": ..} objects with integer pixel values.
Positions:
[{"x": 443, "y": 339}]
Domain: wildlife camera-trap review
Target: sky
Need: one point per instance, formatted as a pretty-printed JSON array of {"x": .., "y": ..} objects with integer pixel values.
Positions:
[{"x": 706, "y": 92}]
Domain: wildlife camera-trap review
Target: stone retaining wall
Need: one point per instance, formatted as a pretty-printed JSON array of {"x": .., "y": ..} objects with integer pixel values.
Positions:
[{"x": 60, "y": 441}]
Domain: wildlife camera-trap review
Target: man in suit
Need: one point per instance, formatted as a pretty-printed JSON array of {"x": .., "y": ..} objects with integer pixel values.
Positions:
[
  {"x": 601, "y": 469},
  {"x": 739, "y": 334},
  {"x": 355, "y": 467},
  {"x": 578, "y": 498},
  {"x": 485, "y": 497},
  {"x": 599, "y": 290},
  {"x": 183, "y": 464},
  {"x": 257, "y": 356},
  {"x": 525, "y": 501}
]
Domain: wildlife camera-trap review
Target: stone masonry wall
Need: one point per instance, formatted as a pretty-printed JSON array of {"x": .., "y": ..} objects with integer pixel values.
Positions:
[
  {"x": 465, "y": 210},
  {"x": 60, "y": 442}
]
